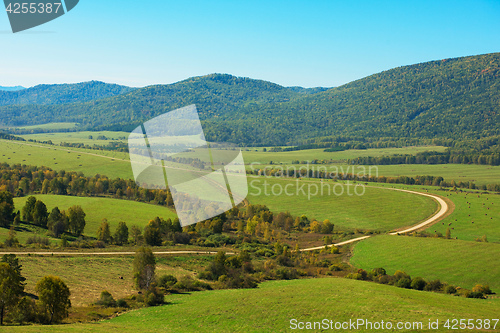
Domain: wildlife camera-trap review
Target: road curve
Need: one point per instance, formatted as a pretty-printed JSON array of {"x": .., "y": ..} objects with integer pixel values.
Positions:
[{"x": 442, "y": 211}]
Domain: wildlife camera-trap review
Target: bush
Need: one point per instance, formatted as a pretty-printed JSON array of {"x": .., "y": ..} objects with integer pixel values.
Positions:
[
  {"x": 435, "y": 285},
  {"x": 121, "y": 303},
  {"x": 166, "y": 281},
  {"x": 475, "y": 295},
  {"x": 334, "y": 250},
  {"x": 485, "y": 289},
  {"x": 403, "y": 283},
  {"x": 450, "y": 289},
  {"x": 38, "y": 240},
  {"x": 386, "y": 279},
  {"x": 418, "y": 283},
  {"x": 336, "y": 268},
  {"x": 106, "y": 300},
  {"x": 187, "y": 283},
  {"x": 154, "y": 296},
  {"x": 284, "y": 273},
  {"x": 378, "y": 271},
  {"x": 398, "y": 275}
]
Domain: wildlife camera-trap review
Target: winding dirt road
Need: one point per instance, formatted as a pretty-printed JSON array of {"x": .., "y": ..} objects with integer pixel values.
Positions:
[{"x": 434, "y": 218}]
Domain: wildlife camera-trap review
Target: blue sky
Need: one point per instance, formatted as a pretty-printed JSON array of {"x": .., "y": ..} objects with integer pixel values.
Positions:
[{"x": 306, "y": 43}]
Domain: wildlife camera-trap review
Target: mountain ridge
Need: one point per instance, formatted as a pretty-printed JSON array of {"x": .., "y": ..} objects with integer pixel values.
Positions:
[{"x": 450, "y": 98}]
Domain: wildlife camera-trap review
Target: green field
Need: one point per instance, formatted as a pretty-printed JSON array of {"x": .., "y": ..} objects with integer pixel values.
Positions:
[
  {"x": 87, "y": 276},
  {"x": 50, "y": 126},
  {"x": 378, "y": 209},
  {"x": 461, "y": 263},
  {"x": 270, "y": 308},
  {"x": 79, "y": 137},
  {"x": 482, "y": 209},
  {"x": 114, "y": 210},
  {"x": 260, "y": 157},
  {"x": 88, "y": 161}
]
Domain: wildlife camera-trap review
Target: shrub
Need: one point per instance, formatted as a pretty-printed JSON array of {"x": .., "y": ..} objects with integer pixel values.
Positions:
[
  {"x": 403, "y": 283},
  {"x": 398, "y": 275},
  {"x": 154, "y": 296},
  {"x": 284, "y": 273},
  {"x": 450, "y": 289},
  {"x": 106, "y": 300},
  {"x": 334, "y": 250},
  {"x": 38, "y": 240},
  {"x": 475, "y": 295},
  {"x": 386, "y": 279},
  {"x": 336, "y": 268},
  {"x": 434, "y": 285},
  {"x": 121, "y": 303},
  {"x": 485, "y": 289},
  {"x": 166, "y": 281},
  {"x": 378, "y": 271},
  {"x": 418, "y": 283}
]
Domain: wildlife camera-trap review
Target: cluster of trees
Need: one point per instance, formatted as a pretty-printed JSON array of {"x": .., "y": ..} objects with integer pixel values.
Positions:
[
  {"x": 402, "y": 280},
  {"x": 431, "y": 157},
  {"x": 35, "y": 212},
  {"x": 21, "y": 180},
  {"x": 15, "y": 305}
]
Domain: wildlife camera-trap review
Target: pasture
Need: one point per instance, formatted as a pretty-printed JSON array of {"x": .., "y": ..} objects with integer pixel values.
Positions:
[
  {"x": 114, "y": 210},
  {"x": 272, "y": 306},
  {"x": 456, "y": 262},
  {"x": 377, "y": 209}
]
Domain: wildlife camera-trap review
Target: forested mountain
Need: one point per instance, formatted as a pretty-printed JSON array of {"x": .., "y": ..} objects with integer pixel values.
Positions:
[
  {"x": 452, "y": 98},
  {"x": 11, "y": 88},
  {"x": 46, "y": 94}
]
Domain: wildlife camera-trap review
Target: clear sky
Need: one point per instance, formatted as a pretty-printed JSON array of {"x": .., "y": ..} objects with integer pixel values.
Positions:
[{"x": 306, "y": 43}]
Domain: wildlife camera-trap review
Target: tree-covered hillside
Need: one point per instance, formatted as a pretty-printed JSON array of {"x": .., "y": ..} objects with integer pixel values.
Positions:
[
  {"x": 450, "y": 99},
  {"x": 46, "y": 94}
]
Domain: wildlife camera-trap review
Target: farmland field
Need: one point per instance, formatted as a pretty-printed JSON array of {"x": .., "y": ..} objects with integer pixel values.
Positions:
[
  {"x": 49, "y": 126},
  {"x": 79, "y": 137},
  {"x": 377, "y": 209},
  {"x": 456, "y": 262},
  {"x": 114, "y": 210},
  {"x": 271, "y": 307},
  {"x": 260, "y": 157},
  {"x": 87, "y": 276}
]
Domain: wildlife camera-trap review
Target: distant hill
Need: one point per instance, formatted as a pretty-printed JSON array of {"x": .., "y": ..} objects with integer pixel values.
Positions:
[
  {"x": 61, "y": 93},
  {"x": 452, "y": 98},
  {"x": 16, "y": 88}
]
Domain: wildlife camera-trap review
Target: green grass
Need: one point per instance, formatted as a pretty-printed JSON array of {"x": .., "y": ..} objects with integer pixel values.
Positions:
[
  {"x": 271, "y": 307},
  {"x": 88, "y": 161},
  {"x": 377, "y": 209},
  {"x": 49, "y": 126},
  {"x": 482, "y": 209},
  {"x": 460, "y": 263},
  {"x": 260, "y": 157},
  {"x": 114, "y": 210},
  {"x": 79, "y": 137},
  {"x": 87, "y": 276}
]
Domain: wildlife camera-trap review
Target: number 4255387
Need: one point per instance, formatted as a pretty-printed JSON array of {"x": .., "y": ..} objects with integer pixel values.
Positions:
[{"x": 33, "y": 8}]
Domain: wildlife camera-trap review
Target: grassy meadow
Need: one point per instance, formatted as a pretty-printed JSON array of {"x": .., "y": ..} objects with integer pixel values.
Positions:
[
  {"x": 88, "y": 161},
  {"x": 49, "y": 126},
  {"x": 475, "y": 215},
  {"x": 260, "y": 157},
  {"x": 114, "y": 210},
  {"x": 270, "y": 308},
  {"x": 457, "y": 262},
  {"x": 79, "y": 137},
  {"x": 87, "y": 276},
  {"x": 378, "y": 209}
]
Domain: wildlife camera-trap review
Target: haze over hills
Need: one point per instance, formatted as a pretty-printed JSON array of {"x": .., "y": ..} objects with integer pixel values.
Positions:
[
  {"x": 46, "y": 94},
  {"x": 16, "y": 88},
  {"x": 452, "y": 98}
]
